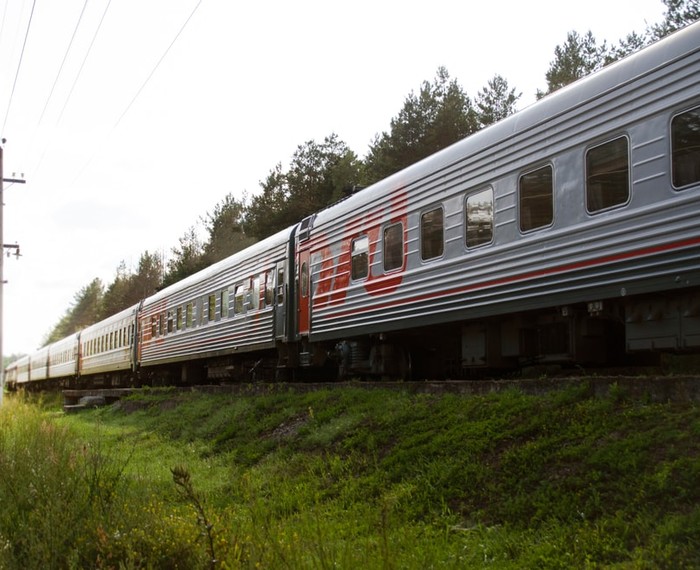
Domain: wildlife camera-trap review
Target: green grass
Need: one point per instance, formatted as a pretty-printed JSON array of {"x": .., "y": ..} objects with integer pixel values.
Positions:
[{"x": 351, "y": 477}]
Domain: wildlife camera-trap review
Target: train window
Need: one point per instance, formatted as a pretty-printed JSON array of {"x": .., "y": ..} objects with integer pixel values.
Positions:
[
  {"x": 231, "y": 300},
  {"x": 178, "y": 318},
  {"x": 432, "y": 234},
  {"x": 250, "y": 295},
  {"x": 211, "y": 308},
  {"x": 255, "y": 294},
  {"x": 393, "y": 247},
  {"x": 685, "y": 148},
  {"x": 266, "y": 279},
  {"x": 536, "y": 199},
  {"x": 607, "y": 175},
  {"x": 223, "y": 301},
  {"x": 280, "y": 285},
  {"x": 170, "y": 322},
  {"x": 154, "y": 327},
  {"x": 189, "y": 317},
  {"x": 239, "y": 298},
  {"x": 360, "y": 258},
  {"x": 479, "y": 216},
  {"x": 161, "y": 324}
]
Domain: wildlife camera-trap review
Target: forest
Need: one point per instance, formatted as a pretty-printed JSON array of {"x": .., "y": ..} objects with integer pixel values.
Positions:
[{"x": 318, "y": 174}]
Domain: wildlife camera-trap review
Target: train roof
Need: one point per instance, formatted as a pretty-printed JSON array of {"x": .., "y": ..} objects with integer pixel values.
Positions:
[
  {"x": 262, "y": 247},
  {"x": 115, "y": 318}
]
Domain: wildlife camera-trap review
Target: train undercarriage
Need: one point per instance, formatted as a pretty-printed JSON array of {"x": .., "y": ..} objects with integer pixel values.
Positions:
[{"x": 632, "y": 331}]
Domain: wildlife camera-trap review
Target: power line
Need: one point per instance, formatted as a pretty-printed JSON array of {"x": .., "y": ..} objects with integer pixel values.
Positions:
[
  {"x": 157, "y": 65},
  {"x": 143, "y": 85},
  {"x": 65, "y": 56},
  {"x": 75, "y": 81},
  {"x": 4, "y": 15},
  {"x": 19, "y": 66}
]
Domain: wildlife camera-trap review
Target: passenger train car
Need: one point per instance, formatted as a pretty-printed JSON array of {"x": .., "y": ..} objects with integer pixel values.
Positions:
[{"x": 568, "y": 232}]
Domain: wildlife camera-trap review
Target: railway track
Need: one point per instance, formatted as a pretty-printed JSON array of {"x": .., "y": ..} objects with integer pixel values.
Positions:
[{"x": 650, "y": 388}]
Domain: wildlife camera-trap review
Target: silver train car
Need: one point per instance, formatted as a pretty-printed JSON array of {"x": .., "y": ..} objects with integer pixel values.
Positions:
[
  {"x": 219, "y": 323},
  {"x": 568, "y": 232},
  {"x": 107, "y": 350}
]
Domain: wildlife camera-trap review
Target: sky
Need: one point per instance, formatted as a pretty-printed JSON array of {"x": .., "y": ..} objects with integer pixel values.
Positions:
[{"x": 130, "y": 120}]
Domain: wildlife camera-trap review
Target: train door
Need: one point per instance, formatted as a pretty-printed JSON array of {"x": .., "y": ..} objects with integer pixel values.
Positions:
[
  {"x": 303, "y": 293},
  {"x": 280, "y": 301}
]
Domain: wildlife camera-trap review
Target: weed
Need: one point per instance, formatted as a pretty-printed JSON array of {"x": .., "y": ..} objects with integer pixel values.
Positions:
[{"x": 183, "y": 481}]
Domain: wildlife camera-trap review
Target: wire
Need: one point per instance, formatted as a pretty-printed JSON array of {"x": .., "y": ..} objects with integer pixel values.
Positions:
[
  {"x": 4, "y": 15},
  {"x": 19, "y": 66},
  {"x": 156, "y": 65},
  {"x": 65, "y": 56},
  {"x": 143, "y": 85},
  {"x": 75, "y": 81}
]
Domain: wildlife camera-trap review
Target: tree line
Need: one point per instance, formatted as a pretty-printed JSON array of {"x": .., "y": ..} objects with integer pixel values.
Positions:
[{"x": 321, "y": 173}]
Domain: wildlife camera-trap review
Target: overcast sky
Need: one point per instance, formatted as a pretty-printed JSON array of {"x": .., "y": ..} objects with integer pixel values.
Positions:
[{"x": 149, "y": 119}]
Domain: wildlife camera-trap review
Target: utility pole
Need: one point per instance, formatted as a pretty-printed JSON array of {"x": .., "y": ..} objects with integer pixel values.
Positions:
[{"x": 2, "y": 262}]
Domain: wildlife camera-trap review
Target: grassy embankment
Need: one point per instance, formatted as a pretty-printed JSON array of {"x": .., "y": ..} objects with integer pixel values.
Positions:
[{"x": 351, "y": 479}]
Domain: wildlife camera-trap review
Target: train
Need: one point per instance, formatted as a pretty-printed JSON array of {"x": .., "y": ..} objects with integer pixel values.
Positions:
[{"x": 567, "y": 233}]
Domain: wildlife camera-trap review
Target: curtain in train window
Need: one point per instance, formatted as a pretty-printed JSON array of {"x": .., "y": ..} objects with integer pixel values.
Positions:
[
  {"x": 536, "y": 199},
  {"x": 685, "y": 148},
  {"x": 239, "y": 298},
  {"x": 432, "y": 234},
  {"x": 479, "y": 217},
  {"x": 360, "y": 258},
  {"x": 255, "y": 302},
  {"x": 607, "y": 175},
  {"x": 393, "y": 247}
]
